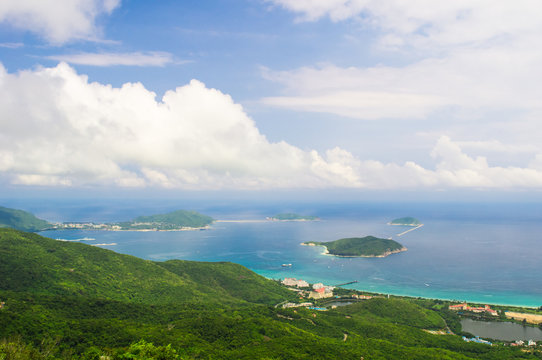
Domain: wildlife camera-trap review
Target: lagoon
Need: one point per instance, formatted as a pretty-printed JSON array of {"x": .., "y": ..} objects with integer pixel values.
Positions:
[{"x": 506, "y": 331}]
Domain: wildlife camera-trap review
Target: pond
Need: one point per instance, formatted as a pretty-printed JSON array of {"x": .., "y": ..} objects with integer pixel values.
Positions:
[{"x": 506, "y": 331}]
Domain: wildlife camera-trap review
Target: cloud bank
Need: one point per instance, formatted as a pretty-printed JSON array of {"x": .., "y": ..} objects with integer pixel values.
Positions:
[
  {"x": 469, "y": 56},
  {"x": 115, "y": 59},
  {"x": 57, "y": 21},
  {"x": 59, "y": 129}
]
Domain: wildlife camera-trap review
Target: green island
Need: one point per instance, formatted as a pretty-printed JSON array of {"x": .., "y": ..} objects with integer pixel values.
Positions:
[
  {"x": 176, "y": 220},
  {"x": 292, "y": 217},
  {"x": 22, "y": 220},
  {"x": 368, "y": 246},
  {"x": 406, "y": 221},
  {"x": 61, "y": 300}
]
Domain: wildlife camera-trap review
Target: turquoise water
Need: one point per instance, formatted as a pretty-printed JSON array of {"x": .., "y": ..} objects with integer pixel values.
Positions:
[{"x": 476, "y": 253}]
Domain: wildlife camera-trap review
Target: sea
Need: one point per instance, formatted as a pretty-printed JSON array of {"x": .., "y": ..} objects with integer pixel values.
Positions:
[{"x": 476, "y": 252}]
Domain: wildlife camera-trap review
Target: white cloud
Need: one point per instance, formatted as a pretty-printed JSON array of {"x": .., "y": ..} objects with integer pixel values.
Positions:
[
  {"x": 113, "y": 59},
  {"x": 58, "y": 21},
  {"x": 11, "y": 45},
  {"x": 57, "y": 129},
  {"x": 481, "y": 55}
]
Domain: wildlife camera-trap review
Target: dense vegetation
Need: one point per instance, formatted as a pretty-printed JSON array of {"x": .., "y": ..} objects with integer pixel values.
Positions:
[
  {"x": 407, "y": 221},
  {"x": 21, "y": 220},
  {"x": 73, "y": 301},
  {"x": 170, "y": 221},
  {"x": 366, "y": 246},
  {"x": 292, "y": 217}
]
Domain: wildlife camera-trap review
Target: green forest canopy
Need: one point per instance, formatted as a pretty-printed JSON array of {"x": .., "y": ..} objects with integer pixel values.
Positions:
[
  {"x": 21, "y": 220},
  {"x": 365, "y": 246}
]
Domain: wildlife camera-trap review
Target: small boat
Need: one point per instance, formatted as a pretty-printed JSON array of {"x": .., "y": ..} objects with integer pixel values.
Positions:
[{"x": 286, "y": 265}]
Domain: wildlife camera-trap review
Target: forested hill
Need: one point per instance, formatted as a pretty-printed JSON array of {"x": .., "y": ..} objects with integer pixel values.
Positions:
[
  {"x": 173, "y": 220},
  {"x": 368, "y": 246},
  {"x": 35, "y": 264},
  {"x": 61, "y": 300},
  {"x": 21, "y": 220}
]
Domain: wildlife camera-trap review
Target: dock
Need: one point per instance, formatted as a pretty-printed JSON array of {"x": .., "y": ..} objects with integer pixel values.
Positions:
[{"x": 348, "y": 283}]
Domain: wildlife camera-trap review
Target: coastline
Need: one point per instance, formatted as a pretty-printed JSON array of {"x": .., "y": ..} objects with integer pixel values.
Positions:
[{"x": 326, "y": 252}]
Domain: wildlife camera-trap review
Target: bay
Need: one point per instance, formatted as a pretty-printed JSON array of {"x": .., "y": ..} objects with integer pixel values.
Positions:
[{"x": 471, "y": 252}]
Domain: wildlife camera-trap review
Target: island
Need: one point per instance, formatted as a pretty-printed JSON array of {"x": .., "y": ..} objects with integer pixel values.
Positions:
[
  {"x": 368, "y": 246},
  {"x": 22, "y": 220},
  {"x": 292, "y": 217},
  {"x": 406, "y": 221}
]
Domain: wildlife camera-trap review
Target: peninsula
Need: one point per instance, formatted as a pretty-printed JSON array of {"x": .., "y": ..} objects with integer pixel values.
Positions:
[
  {"x": 173, "y": 221},
  {"x": 22, "y": 220},
  {"x": 368, "y": 246},
  {"x": 292, "y": 217}
]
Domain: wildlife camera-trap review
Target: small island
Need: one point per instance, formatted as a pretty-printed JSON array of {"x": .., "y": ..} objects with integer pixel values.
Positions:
[
  {"x": 368, "y": 246},
  {"x": 292, "y": 217},
  {"x": 406, "y": 221}
]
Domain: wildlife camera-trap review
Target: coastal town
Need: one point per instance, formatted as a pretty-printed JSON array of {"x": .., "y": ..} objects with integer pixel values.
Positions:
[{"x": 321, "y": 297}]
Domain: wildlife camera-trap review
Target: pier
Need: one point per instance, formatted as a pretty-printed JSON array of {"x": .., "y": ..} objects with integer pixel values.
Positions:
[
  {"x": 409, "y": 230},
  {"x": 348, "y": 283}
]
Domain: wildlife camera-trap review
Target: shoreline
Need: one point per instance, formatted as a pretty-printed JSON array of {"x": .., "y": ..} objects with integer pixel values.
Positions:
[{"x": 387, "y": 253}]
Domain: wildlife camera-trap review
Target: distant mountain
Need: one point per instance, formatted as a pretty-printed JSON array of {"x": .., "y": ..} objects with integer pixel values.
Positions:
[
  {"x": 21, "y": 220},
  {"x": 406, "y": 221},
  {"x": 368, "y": 246}
]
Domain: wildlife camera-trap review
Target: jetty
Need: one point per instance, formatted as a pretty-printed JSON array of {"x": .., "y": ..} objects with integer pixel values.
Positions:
[
  {"x": 409, "y": 230},
  {"x": 348, "y": 283}
]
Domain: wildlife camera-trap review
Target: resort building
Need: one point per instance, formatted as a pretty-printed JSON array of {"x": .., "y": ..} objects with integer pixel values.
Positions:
[
  {"x": 320, "y": 293},
  {"x": 295, "y": 282},
  {"x": 466, "y": 307}
]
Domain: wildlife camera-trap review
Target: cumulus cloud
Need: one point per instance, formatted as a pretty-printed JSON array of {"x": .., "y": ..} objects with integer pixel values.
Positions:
[
  {"x": 114, "y": 59},
  {"x": 57, "y": 21},
  {"x": 59, "y": 129}
]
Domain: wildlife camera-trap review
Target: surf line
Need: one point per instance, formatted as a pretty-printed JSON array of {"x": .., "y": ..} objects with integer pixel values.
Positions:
[{"x": 409, "y": 230}]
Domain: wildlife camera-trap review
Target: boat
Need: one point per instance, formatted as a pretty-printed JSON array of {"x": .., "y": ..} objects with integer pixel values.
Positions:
[{"x": 286, "y": 265}]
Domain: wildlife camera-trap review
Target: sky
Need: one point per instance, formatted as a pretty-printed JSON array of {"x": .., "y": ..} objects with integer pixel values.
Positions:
[{"x": 265, "y": 95}]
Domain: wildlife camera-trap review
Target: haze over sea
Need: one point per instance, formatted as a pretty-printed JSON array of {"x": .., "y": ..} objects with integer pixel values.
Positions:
[{"x": 487, "y": 253}]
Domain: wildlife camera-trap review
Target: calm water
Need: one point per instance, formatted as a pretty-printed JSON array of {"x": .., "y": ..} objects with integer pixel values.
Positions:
[
  {"x": 481, "y": 253},
  {"x": 501, "y": 330}
]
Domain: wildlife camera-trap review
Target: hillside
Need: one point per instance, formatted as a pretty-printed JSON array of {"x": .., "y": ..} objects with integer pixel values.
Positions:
[
  {"x": 35, "y": 264},
  {"x": 73, "y": 301},
  {"x": 21, "y": 220},
  {"x": 170, "y": 221},
  {"x": 368, "y": 246}
]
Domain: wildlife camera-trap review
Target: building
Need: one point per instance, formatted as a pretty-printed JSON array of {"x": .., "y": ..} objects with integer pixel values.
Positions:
[
  {"x": 295, "y": 282},
  {"x": 320, "y": 293},
  {"x": 466, "y": 307},
  {"x": 477, "y": 340}
]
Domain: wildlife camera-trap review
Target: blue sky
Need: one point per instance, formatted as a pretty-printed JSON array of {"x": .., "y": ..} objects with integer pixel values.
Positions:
[{"x": 271, "y": 94}]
